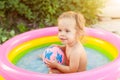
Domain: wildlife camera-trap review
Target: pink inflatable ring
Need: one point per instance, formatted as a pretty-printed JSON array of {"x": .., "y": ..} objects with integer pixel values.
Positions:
[{"x": 9, "y": 71}]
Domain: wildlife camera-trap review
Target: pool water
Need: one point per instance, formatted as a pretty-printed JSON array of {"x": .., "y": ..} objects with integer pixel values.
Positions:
[{"x": 31, "y": 61}]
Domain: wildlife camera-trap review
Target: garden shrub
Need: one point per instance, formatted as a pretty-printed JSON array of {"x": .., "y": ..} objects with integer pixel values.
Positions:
[
  {"x": 31, "y": 14},
  {"x": 5, "y": 35}
]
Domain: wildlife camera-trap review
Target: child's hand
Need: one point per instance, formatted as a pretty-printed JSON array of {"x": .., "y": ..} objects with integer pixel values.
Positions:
[{"x": 51, "y": 64}]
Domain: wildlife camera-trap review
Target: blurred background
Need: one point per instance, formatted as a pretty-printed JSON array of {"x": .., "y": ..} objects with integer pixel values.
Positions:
[
  {"x": 18, "y": 16},
  {"x": 111, "y": 9},
  {"x": 110, "y": 17}
]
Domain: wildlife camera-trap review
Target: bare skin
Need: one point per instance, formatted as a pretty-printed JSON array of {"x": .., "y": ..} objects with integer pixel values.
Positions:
[{"x": 76, "y": 58}]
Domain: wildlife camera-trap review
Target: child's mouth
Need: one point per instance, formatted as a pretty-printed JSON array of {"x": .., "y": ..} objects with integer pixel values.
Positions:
[{"x": 63, "y": 39}]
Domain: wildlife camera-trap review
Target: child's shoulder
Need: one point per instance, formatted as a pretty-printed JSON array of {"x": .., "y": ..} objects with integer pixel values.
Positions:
[{"x": 80, "y": 49}]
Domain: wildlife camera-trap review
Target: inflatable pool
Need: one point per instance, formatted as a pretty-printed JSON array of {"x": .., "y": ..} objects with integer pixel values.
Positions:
[{"x": 15, "y": 48}]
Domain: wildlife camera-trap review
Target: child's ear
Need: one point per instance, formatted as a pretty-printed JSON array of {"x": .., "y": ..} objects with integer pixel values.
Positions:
[
  {"x": 78, "y": 33},
  {"x": 81, "y": 34}
]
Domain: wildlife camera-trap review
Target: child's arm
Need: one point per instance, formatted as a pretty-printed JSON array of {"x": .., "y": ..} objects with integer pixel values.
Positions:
[{"x": 72, "y": 67}]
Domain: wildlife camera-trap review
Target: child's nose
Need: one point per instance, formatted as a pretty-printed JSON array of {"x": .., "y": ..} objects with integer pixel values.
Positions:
[{"x": 62, "y": 33}]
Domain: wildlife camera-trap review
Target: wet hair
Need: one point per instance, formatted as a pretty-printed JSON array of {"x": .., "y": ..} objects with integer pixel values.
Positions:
[{"x": 79, "y": 18}]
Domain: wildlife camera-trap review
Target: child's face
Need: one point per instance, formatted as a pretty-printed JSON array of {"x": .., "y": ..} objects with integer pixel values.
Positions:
[{"x": 67, "y": 32}]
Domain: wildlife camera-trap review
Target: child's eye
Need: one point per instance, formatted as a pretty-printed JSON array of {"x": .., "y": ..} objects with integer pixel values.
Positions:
[
  {"x": 67, "y": 31},
  {"x": 59, "y": 30}
]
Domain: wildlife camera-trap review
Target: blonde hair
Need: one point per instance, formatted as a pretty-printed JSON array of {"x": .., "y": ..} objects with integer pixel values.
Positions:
[{"x": 79, "y": 18}]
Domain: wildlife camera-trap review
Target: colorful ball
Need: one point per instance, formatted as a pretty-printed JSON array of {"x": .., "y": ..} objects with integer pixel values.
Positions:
[{"x": 53, "y": 53}]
